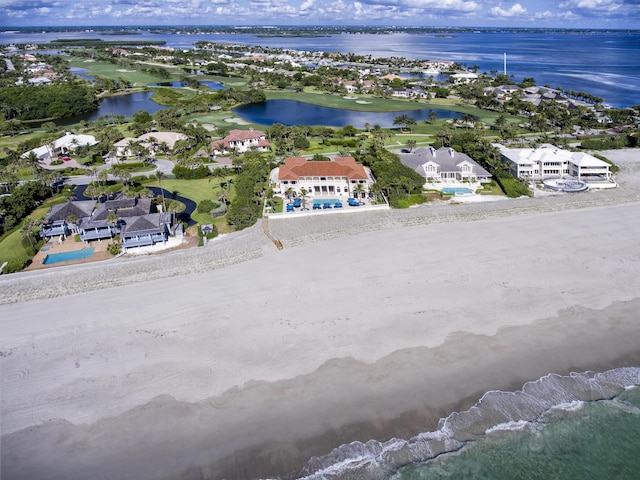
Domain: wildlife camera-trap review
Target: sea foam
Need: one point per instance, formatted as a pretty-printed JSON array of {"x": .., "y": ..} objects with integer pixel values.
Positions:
[{"x": 495, "y": 411}]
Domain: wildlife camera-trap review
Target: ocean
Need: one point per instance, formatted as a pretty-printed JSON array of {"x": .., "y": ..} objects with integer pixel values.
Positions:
[
  {"x": 582, "y": 426},
  {"x": 603, "y": 63}
]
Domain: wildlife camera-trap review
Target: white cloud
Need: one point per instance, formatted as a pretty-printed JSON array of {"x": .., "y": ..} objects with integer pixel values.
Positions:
[{"x": 516, "y": 10}]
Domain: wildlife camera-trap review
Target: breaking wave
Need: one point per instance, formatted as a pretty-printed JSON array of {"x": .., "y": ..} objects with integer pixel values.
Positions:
[{"x": 536, "y": 403}]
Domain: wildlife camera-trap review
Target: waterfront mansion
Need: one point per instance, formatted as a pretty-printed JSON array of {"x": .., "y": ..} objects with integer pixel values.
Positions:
[
  {"x": 133, "y": 219},
  {"x": 445, "y": 165},
  {"x": 340, "y": 177},
  {"x": 548, "y": 161}
]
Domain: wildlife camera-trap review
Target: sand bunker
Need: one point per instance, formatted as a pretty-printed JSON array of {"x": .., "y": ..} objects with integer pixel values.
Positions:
[
  {"x": 236, "y": 120},
  {"x": 363, "y": 102}
]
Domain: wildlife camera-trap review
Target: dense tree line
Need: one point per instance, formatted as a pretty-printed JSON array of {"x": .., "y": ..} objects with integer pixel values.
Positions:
[
  {"x": 250, "y": 184},
  {"x": 27, "y": 102},
  {"x": 393, "y": 179},
  {"x": 21, "y": 203}
]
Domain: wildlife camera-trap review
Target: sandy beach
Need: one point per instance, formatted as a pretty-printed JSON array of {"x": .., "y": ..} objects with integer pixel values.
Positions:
[{"x": 240, "y": 361}]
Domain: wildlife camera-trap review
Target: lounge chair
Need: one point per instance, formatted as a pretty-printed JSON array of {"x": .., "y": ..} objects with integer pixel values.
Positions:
[
  {"x": 316, "y": 206},
  {"x": 326, "y": 205},
  {"x": 337, "y": 205}
]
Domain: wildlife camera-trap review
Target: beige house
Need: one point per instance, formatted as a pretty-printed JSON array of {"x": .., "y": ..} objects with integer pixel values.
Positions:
[
  {"x": 241, "y": 141},
  {"x": 341, "y": 177}
]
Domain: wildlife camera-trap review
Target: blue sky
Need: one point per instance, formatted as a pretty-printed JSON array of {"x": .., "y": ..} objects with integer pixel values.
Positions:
[{"x": 523, "y": 13}]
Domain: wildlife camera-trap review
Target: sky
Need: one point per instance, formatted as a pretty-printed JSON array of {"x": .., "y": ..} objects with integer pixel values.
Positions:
[{"x": 605, "y": 14}]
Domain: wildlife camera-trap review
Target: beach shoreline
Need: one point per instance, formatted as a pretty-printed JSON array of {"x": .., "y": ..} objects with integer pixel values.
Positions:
[{"x": 237, "y": 360}]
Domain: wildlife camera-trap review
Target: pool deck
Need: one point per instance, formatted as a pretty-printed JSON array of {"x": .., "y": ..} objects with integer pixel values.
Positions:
[{"x": 69, "y": 244}]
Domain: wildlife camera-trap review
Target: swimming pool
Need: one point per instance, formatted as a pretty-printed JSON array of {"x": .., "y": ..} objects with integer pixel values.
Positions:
[
  {"x": 52, "y": 258},
  {"x": 455, "y": 190},
  {"x": 322, "y": 201}
]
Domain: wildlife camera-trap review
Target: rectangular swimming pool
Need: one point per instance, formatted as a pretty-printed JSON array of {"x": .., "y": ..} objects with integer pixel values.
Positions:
[
  {"x": 52, "y": 258},
  {"x": 454, "y": 190}
]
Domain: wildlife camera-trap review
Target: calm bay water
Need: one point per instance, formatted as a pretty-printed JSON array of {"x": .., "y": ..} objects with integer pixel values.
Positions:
[{"x": 604, "y": 63}]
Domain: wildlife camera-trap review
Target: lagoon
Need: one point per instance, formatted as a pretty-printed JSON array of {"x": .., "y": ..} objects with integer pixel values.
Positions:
[
  {"x": 125, "y": 105},
  {"x": 291, "y": 112}
]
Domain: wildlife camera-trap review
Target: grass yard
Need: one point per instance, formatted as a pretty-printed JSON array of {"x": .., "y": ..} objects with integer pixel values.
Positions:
[
  {"x": 11, "y": 244},
  {"x": 199, "y": 190}
]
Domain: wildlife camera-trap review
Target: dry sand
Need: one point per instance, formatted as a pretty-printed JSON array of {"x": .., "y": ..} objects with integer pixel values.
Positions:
[{"x": 238, "y": 360}]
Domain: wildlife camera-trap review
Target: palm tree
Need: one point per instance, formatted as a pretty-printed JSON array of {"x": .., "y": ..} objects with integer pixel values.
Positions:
[
  {"x": 159, "y": 175},
  {"x": 359, "y": 190},
  {"x": 112, "y": 220},
  {"x": 411, "y": 144},
  {"x": 289, "y": 193},
  {"x": 27, "y": 230},
  {"x": 303, "y": 198}
]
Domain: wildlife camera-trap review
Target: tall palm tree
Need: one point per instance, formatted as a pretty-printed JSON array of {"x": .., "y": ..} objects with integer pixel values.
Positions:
[
  {"x": 159, "y": 176},
  {"x": 112, "y": 220},
  {"x": 304, "y": 198}
]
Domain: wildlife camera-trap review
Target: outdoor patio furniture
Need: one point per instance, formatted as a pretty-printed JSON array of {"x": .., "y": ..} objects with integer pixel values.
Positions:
[
  {"x": 316, "y": 206},
  {"x": 291, "y": 208},
  {"x": 296, "y": 202},
  {"x": 337, "y": 205},
  {"x": 326, "y": 205}
]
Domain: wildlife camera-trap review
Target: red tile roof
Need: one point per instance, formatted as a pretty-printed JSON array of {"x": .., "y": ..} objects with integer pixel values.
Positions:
[
  {"x": 242, "y": 136},
  {"x": 295, "y": 168}
]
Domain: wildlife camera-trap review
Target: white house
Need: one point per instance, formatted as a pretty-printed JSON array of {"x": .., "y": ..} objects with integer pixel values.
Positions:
[
  {"x": 241, "y": 141},
  {"x": 151, "y": 141},
  {"x": 68, "y": 143},
  {"x": 549, "y": 161},
  {"x": 339, "y": 177},
  {"x": 445, "y": 165}
]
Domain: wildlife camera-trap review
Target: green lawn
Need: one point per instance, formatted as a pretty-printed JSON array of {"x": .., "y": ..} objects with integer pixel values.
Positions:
[
  {"x": 198, "y": 190},
  {"x": 131, "y": 73},
  {"x": 11, "y": 244}
]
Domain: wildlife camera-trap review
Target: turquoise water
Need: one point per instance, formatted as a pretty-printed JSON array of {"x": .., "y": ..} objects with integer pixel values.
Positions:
[
  {"x": 454, "y": 190},
  {"x": 68, "y": 256},
  {"x": 591, "y": 440},
  {"x": 581, "y": 426},
  {"x": 322, "y": 201}
]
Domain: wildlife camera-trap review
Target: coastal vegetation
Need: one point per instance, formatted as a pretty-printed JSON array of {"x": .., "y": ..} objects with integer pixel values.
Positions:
[{"x": 491, "y": 109}]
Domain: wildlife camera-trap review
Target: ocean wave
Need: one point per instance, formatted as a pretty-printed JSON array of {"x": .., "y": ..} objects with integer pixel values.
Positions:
[{"x": 495, "y": 411}]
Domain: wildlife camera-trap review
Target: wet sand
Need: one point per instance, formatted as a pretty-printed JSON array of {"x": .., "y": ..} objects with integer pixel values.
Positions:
[{"x": 238, "y": 360}]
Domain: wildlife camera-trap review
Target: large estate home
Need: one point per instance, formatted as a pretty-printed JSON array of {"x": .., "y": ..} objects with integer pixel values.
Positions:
[
  {"x": 341, "y": 176},
  {"x": 241, "y": 141},
  {"x": 152, "y": 141},
  {"x": 63, "y": 145},
  {"x": 445, "y": 164},
  {"x": 131, "y": 218},
  {"x": 549, "y": 161}
]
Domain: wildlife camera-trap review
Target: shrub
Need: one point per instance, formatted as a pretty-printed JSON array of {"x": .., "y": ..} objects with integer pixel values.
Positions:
[
  {"x": 114, "y": 248},
  {"x": 186, "y": 173},
  {"x": 128, "y": 166},
  {"x": 512, "y": 188},
  {"x": 56, "y": 162},
  {"x": 396, "y": 202},
  {"x": 206, "y": 206},
  {"x": 15, "y": 265}
]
